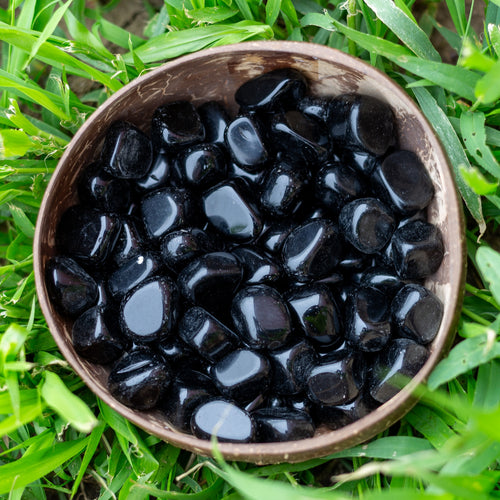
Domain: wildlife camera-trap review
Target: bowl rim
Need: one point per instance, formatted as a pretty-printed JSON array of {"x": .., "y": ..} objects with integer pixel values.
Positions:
[{"x": 331, "y": 441}]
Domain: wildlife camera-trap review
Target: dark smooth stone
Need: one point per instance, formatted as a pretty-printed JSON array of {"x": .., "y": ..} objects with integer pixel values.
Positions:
[
  {"x": 421, "y": 215},
  {"x": 282, "y": 424},
  {"x": 176, "y": 124},
  {"x": 133, "y": 272},
  {"x": 280, "y": 87},
  {"x": 367, "y": 318},
  {"x": 367, "y": 224},
  {"x": 261, "y": 317},
  {"x": 354, "y": 261},
  {"x": 393, "y": 368},
  {"x": 335, "y": 352},
  {"x": 416, "y": 313},
  {"x": 315, "y": 107},
  {"x": 158, "y": 175},
  {"x": 252, "y": 178},
  {"x": 176, "y": 352},
  {"x": 242, "y": 375},
  {"x": 417, "y": 250},
  {"x": 258, "y": 268},
  {"x": 129, "y": 244},
  {"x": 94, "y": 340},
  {"x": 127, "y": 152},
  {"x": 403, "y": 182},
  {"x": 298, "y": 402},
  {"x": 228, "y": 207},
  {"x": 86, "y": 234},
  {"x": 206, "y": 335},
  {"x": 224, "y": 420},
  {"x": 317, "y": 313},
  {"x": 101, "y": 190},
  {"x": 138, "y": 379},
  {"x": 336, "y": 383},
  {"x": 215, "y": 120},
  {"x": 312, "y": 250},
  {"x": 361, "y": 161},
  {"x": 167, "y": 209},
  {"x": 149, "y": 311},
  {"x": 256, "y": 403},
  {"x": 274, "y": 235},
  {"x": 335, "y": 417},
  {"x": 384, "y": 279},
  {"x": 71, "y": 289}
]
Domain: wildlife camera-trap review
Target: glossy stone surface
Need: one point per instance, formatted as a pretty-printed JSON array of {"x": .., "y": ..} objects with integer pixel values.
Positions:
[
  {"x": 158, "y": 175},
  {"x": 127, "y": 152},
  {"x": 71, "y": 289},
  {"x": 367, "y": 224},
  {"x": 129, "y": 243},
  {"x": 273, "y": 236},
  {"x": 258, "y": 268},
  {"x": 282, "y": 424},
  {"x": 417, "y": 250},
  {"x": 335, "y": 417},
  {"x": 361, "y": 161},
  {"x": 312, "y": 250},
  {"x": 177, "y": 353},
  {"x": 224, "y": 420},
  {"x": 416, "y": 313},
  {"x": 138, "y": 379},
  {"x": 315, "y": 107},
  {"x": 383, "y": 279},
  {"x": 261, "y": 317},
  {"x": 215, "y": 120}
]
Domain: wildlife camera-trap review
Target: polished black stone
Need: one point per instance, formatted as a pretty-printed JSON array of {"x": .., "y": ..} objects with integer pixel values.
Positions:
[
  {"x": 416, "y": 313},
  {"x": 282, "y": 424},
  {"x": 129, "y": 244},
  {"x": 354, "y": 261},
  {"x": 127, "y": 152},
  {"x": 335, "y": 417},
  {"x": 382, "y": 278},
  {"x": 139, "y": 378},
  {"x": 367, "y": 224},
  {"x": 417, "y": 250},
  {"x": 177, "y": 353},
  {"x": 224, "y": 420},
  {"x": 258, "y": 267},
  {"x": 274, "y": 235},
  {"x": 159, "y": 174},
  {"x": 71, "y": 289},
  {"x": 312, "y": 250},
  {"x": 315, "y": 107},
  {"x": 253, "y": 179},
  {"x": 362, "y": 161},
  {"x": 261, "y": 317},
  {"x": 215, "y": 120}
]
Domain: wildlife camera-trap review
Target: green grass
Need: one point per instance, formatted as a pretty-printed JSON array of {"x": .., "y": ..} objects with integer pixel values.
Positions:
[{"x": 58, "y": 440}]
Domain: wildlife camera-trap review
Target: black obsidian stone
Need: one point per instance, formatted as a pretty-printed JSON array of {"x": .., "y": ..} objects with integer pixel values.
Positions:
[
  {"x": 242, "y": 375},
  {"x": 317, "y": 313},
  {"x": 354, "y": 261},
  {"x": 335, "y": 417},
  {"x": 280, "y": 87},
  {"x": 367, "y": 224},
  {"x": 215, "y": 120},
  {"x": 273, "y": 236},
  {"x": 261, "y": 317},
  {"x": 206, "y": 335},
  {"x": 167, "y": 209},
  {"x": 158, "y": 175},
  {"x": 315, "y": 107},
  {"x": 258, "y": 268},
  {"x": 394, "y": 366},
  {"x": 129, "y": 243},
  {"x": 138, "y": 379},
  {"x": 312, "y": 250},
  {"x": 402, "y": 181},
  {"x": 228, "y": 207},
  {"x": 282, "y": 424},
  {"x": 127, "y": 152},
  {"x": 382, "y": 278},
  {"x": 253, "y": 179},
  {"x": 94, "y": 340},
  {"x": 362, "y": 161},
  {"x": 416, "y": 313},
  {"x": 224, "y": 420},
  {"x": 71, "y": 289},
  {"x": 86, "y": 234},
  {"x": 368, "y": 326},
  {"x": 177, "y": 353},
  {"x": 417, "y": 250},
  {"x": 176, "y": 124}
]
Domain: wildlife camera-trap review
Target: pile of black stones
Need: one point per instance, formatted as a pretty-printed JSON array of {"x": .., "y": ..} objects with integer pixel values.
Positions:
[{"x": 253, "y": 277}]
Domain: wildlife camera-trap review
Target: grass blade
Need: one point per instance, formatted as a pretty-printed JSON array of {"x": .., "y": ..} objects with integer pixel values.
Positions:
[{"x": 272, "y": 11}]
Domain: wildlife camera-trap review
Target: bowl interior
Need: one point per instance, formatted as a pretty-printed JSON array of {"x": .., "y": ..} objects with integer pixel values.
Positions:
[{"x": 215, "y": 74}]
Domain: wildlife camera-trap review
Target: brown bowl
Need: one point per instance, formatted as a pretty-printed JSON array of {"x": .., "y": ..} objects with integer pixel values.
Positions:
[{"x": 215, "y": 74}]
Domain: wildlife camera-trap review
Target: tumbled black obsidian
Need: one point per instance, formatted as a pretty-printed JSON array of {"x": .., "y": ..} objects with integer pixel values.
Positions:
[
  {"x": 367, "y": 320},
  {"x": 176, "y": 352},
  {"x": 71, "y": 289},
  {"x": 179, "y": 247},
  {"x": 258, "y": 267},
  {"x": 367, "y": 224},
  {"x": 206, "y": 335},
  {"x": 158, "y": 175},
  {"x": 242, "y": 375},
  {"x": 394, "y": 366},
  {"x": 312, "y": 250},
  {"x": 336, "y": 352},
  {"x": 336, "y": 184},
  {"x": 252, "y": 178},
  {"x": 94, "y": 340},
  {"x": 282, "y": 189},
  {"x": 261, "y": 317},
  {"x": 167, "y": 209},
  {"x": 282, "y": 424},
  {"x": 230, "y": 210},
  {"x": 133, "y": 272},
  {"x": 291, "y": 366},
  {"x": 215, "y": 120},
  {"x": 315, "y": 107},
  {"x": 317, "y": 313},
  {"x": 402, "y": 181},
  {"x": 223, "y": 420},
  {"x": 417, "y": 250},
  {"x": 354, "y": 261},
  {"x": 139, "y": 378},
  {"x": 246, "y": 143},
  {"x": 416, "y": 313},
  {"x": 129, "y": 243},
  {"x": 335, "y": 417},
  {"x": 382, "y": 278},
  {"x": 361, "y": 161},
  {"x": 87, "y": 234},
  {"x": 176, "y": 124},
  {"x": 274, "y": 235},
  {"x": 280, "y": 87},
  {"x": 210, "y": 281}
]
